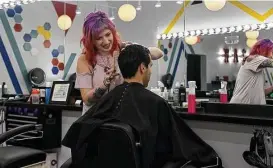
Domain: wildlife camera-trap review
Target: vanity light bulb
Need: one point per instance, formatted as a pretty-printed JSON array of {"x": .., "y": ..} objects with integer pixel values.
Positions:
[
  {"x": 192, "y": 33},
  {"x": 263, "y": 26},
  {"x": 231, "y": 29},
  {"x": 270, "y": 25},
  {"x": 211, "y": 31},
  {"x": 169, "y": 36},
  {"x": 198, "y": 32},
  {"x": 186, "y": 33},
  {"x": 254, "y": 27},
  {"x": 217, "y": 30},
  {"x": 246, "y": 27},
  {"x": 205, "y": 31},
  {"x": 158, "y": 36},
  {"x": 164, "y": 36},
  {"x": 174, "y": 35},
  {"x": 180, "y": 34},
  {"x": 224, "y": 30},
  {"x": 238, "y": 28}
]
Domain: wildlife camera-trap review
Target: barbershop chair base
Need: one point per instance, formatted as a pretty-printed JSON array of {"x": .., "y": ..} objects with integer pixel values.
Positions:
[{"x": 16, "y": 157}]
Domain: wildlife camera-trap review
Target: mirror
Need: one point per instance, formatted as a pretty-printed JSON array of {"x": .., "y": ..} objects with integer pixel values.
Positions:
[
  {"x": 224, "y": 54},
  {"x": 218, "y": 56}
]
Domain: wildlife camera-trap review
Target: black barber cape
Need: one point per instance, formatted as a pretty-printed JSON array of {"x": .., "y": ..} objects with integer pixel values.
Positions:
[{"x": 162, "y": 132}]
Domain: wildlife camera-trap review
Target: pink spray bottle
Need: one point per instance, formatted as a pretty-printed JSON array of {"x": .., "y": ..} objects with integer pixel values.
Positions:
[
  {"x": 223, "y": 92},
  {"x": 192, "y": 97}
]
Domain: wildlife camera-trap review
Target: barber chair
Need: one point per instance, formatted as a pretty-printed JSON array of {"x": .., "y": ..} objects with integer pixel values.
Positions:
[
  {"x": 17, "y": 156},
  {"x": 118, "y": 146}
]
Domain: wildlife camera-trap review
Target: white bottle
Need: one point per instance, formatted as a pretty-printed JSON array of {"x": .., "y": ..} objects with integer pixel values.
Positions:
[
  {"x": 5, "y": 90},
  {"x": 165, "y": 93}
]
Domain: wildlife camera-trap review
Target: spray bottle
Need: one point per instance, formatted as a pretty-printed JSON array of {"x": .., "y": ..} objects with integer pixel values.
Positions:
[
  {"x": 223, "y": 92},
  {"x": 191, "y": 97},
  {"x": 176, "y": 94}
]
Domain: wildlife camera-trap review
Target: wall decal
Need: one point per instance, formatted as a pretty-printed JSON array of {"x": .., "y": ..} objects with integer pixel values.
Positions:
[
  {"x": 47, "y": 43},
  {"x": 40, "y": 30},
  {"x": 57, "y": 65},
  {"x": 45, "y": 32},
  {"x": 61, "y": 49},
  {"x": 181, "y": 49},
  {"x": 68, "y": 64},
  {"x": 55, "y": 61},
  {"x": 15, "y": 13},
  {"x": 172, "y": 55},
  {"x": 18, "y": 18},
  {"x": 162, "y": 47},
  {"x": 9, "y": 67},
  {"x": 47, "y": 26},
  {"x": 10, "y": 13},
  {"x": 55, "y": 70},
  {"x": 27, "y": 46},
  {"x": 27, "y": 37},
  {"x": 170, "y": 45},
  {"x": 55, "y": 53},
  {"x": 14, "y": 45},
  {"x": 18, "y": 27},
  {"x": 18, "y": 9},
  {"x": 34, "y": 33},
  {"x": 61, "y": 66},
  {"x": 165, "y": 58}
]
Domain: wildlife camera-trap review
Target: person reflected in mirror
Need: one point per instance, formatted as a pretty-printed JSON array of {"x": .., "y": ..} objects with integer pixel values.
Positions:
[{"x": 250, "y": 83}]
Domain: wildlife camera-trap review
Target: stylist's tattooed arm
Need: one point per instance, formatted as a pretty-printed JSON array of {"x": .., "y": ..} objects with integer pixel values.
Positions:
[{"x": 266, "y": 63}]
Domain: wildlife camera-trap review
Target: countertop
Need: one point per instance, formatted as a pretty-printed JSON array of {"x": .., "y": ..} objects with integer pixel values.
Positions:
[{"x": 252, "y": 118}]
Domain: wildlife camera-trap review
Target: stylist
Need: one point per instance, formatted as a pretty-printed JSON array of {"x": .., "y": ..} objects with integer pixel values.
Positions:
[
  {"x": 249, "y": 87},
  {"x": 97, "y": 68}
]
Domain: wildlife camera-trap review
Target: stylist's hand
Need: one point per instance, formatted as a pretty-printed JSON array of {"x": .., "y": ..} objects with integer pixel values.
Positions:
[
  {"x": 110, "y": 76},
  {"x": 125, "y": 44}
]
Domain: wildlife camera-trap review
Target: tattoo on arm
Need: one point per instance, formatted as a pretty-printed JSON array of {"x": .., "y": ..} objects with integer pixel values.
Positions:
[
  {"x": 266, "y": 63},
  {"x": 99, "y": 92}
]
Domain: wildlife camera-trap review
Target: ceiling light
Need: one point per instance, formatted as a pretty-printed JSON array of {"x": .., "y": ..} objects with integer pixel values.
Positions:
[
  {"x": 78, "y": 11},
  {"x": 139, "y": 7},
  {"x": 179, "y": 2},
  {"x": 158, "y": 4},
  {"x": 127, "y": 12},
  {"x": 214, "y": 5}
]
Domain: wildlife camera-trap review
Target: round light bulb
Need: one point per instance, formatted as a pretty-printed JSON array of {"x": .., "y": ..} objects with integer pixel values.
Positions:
[
  {"x": 252, "y": 34},
  {"x": 251, "y": 42},
  {"x": 191, "y": 40},
  {"x": 215, "y": 5},
  {"x": 64, "y": 22},
  {"x": 127, "y": 12}
]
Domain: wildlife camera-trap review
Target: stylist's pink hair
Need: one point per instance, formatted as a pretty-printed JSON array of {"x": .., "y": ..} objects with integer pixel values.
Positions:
[
  {"x": 262, "y": 47},
  {"x": 93, "y": 25}
]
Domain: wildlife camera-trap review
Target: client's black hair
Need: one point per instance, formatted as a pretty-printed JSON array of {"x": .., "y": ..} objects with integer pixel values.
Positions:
[{"x": 131, "y": 57}]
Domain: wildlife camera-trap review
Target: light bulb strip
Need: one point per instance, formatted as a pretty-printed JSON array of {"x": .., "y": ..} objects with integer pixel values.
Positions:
[
  {"x": 213, "y": 31},
  {"x": 13, "y": 3}
]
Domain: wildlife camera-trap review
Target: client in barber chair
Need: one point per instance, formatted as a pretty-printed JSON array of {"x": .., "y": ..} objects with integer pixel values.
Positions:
[{"x": 164, "y": 135}]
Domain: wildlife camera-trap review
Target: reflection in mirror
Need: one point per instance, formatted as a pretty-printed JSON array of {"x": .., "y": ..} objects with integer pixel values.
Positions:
[
  {"x": 224, "y": 54},
  {"x": 217, "y": 55}
]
